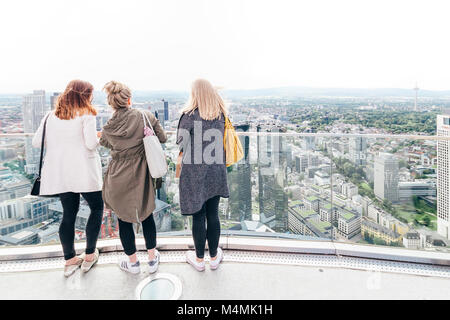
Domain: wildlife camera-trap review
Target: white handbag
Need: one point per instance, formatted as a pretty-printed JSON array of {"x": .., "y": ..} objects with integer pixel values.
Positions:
[{"x": 156, "y": 158}]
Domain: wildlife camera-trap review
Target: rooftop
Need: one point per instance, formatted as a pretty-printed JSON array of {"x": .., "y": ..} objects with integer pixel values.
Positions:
[
  {"x": 322, "y": 226},
  {"x": 306, "y": 213},
  {"x": 347, "y": 215}
]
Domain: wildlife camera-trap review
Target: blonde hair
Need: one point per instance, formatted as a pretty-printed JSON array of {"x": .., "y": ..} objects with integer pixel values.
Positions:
[
  {"x": 206, "y": 99},
  {"x": 118, "y": 94}
]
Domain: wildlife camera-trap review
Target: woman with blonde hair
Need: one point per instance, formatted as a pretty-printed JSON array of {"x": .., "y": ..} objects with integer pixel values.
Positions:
[
  {"x": 203, "y": 177},
  {"x": 128, "y": 186},
  {"x": 72, "y": 167}
]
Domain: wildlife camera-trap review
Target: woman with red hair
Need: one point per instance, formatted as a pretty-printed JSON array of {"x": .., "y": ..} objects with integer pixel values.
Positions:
[{"x": 72, "y": 168}]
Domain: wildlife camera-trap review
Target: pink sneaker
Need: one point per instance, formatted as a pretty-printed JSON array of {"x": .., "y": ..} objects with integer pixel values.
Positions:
[
  {"x": 191, "y": 258},
  {"x": 214, "y": 264}
]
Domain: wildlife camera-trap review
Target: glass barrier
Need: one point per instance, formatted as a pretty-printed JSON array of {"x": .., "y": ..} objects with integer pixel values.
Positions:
[{"x": 375, "y": 190}]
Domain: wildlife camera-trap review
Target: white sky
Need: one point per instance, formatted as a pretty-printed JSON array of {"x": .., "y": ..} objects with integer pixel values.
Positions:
[{"x": 154, "y": 45}]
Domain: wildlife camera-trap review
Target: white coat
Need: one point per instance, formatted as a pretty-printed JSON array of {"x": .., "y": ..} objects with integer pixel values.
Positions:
[{"x": 71, "y": 161}]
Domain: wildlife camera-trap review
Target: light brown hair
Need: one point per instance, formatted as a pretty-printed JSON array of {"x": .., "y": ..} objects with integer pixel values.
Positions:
[
  {"x": 75, "y": 100},
  {"x": 118, "y": 94}
]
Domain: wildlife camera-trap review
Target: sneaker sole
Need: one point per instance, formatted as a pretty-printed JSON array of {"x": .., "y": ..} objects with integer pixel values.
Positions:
[
  {"x": 132, "y": 272},
  {"x": 152, "y": 271},
  {"x": 69, "y": 274},
  {"x": 214, "y": 268}
]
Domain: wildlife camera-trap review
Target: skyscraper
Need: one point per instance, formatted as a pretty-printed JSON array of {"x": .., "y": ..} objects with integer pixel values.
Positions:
[
  {"x": 33, "y": 110},
  {"x": 161, "y": 109},
  {"x": 443, "y": 176},
  {"x": 239, "y": 182},
  {"x": 272, "y": 176},
  {"x": 386, "y": 177},
  {"x": 53, "y": 100},
  {"x": 166, "y": 110},
  {"x": 358, "y": 150}
]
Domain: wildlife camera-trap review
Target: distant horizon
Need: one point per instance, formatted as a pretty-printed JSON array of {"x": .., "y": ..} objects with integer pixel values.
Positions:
[{"x": 318, "y": 89}]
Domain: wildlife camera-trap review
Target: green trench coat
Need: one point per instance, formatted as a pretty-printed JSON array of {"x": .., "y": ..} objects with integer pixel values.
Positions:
[{"x": 128, "y": 186}]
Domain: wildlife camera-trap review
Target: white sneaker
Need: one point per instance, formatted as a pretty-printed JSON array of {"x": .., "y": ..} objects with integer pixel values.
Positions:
[
  {"x": 87, "y": 265},
  {"x": 214, "y": 264},
  {"x": 126, "y": 265},
  {"x": 153, "y": 264},
  {"x": 70, "y": 269},
  {"x": 191, "y": 258}
]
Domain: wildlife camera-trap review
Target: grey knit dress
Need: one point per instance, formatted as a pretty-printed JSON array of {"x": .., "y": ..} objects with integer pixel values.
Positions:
[{"x": 203, "y": 171}]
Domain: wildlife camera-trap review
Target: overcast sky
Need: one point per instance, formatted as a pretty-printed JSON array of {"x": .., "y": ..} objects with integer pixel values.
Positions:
[{"x": 238, "y": 44}]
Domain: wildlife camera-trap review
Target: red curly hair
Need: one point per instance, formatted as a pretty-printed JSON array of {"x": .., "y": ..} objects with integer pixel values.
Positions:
[{"x": 75, "y": 100}]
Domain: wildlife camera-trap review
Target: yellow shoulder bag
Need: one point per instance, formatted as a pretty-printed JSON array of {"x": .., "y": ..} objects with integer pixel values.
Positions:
[{"x": 231, "y": 144}]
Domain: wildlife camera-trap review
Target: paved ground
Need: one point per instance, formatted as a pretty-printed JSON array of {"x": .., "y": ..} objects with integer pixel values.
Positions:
[{"x": 232, "y": 280}]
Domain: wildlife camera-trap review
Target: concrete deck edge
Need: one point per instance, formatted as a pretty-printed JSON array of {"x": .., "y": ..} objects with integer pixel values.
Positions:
[{"x": 245, "y": 244}]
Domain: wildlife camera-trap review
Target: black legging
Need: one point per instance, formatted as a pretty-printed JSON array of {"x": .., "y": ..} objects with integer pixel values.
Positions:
[
  {"x": 201, "y": 232},
  {"x": 71, "y": 203},
  {"x": 127, "y": 237}
]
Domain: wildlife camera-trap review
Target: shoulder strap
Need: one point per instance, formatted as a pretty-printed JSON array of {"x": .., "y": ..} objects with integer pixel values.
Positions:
[
  {"x": 42, "y": 144},
  {"x": 179, "y": 121},
  {"x": 147, "y": 121}
]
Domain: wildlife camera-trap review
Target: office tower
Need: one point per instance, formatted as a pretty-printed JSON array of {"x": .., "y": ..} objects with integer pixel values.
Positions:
[
  {"x": 301, "y": 163},
  {"x": 358, "y": 150},
  {"x": 288, "y": 152},
  {"x": 161, "y": 193},
  {"x": 305, "y": 161},
  {"x": 53, "y": 99},
  {"x": 162, "y": 111},
  {"x": 272, "y": 176},
  {"x": 313, "y": 160},
  {"x": 239, "y": 182},
  {"x": 386, "y": 177},
  {"x": 443, "y": 176},
  {"x": 33, "y": 110},
  {"x": 166, "y": 110}
]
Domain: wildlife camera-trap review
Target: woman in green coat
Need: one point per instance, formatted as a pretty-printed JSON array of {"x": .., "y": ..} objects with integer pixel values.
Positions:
[{"x": 128, "y": 188}]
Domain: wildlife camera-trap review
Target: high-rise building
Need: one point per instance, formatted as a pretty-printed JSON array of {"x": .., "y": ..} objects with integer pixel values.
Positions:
[
  {"x": 33, "y": 110},
  {"x": 53, "y": 99},
  {"x": 358, "y": 150},
  {"x": 305, "y": 161},
  {"x": 272, "y": 176},
  {"x": 161, "y": 193},
  {"x": 386, "y": 177},
  {"x": 161, "y": 110},
  {"x": 166, "y": 110},
  {"x": 239, "y": 182},
  {"x": 301, "y": 163},
  {"x": 443, "y": 176}
]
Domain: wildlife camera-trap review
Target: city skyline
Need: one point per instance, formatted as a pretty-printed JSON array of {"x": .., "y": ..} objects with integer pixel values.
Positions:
[{"x": 336, "y": 188}]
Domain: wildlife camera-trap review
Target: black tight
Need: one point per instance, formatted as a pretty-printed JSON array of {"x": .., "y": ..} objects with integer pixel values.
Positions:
[
  {"x": 210, "y": 230},
  {"x": 127, "y": 237},
  {"x": 71, "y": 203}
]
